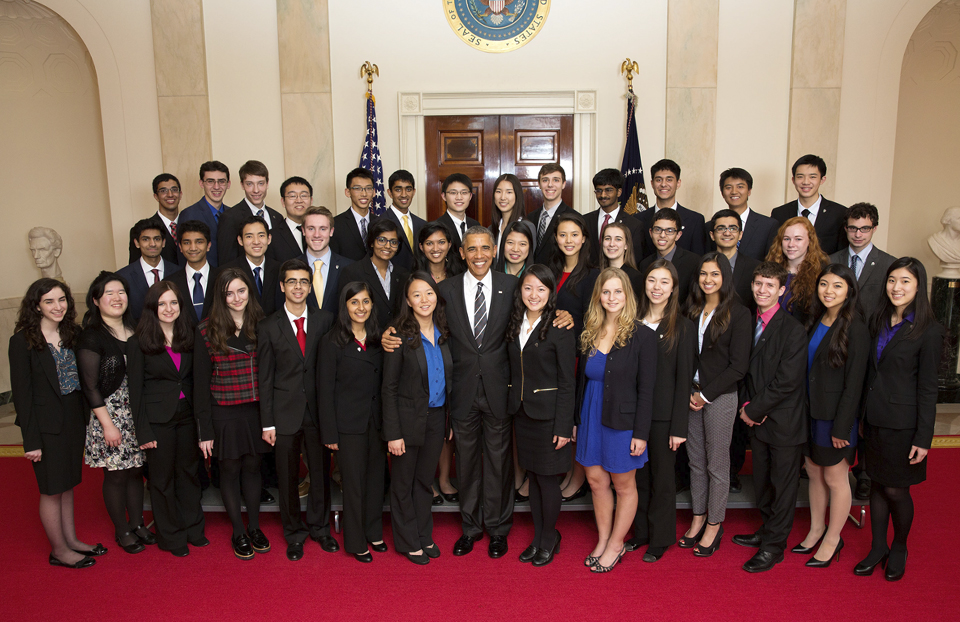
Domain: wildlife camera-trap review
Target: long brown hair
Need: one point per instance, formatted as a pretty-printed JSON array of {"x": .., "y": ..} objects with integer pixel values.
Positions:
[
  {"x": 697, "y": 300},
  {"x": 518, "y": 211},
  {"x": 837, "y": 354},
  {"x": 803, "y": 286},
  {"x": 628, "y": 248},
  {"x": 596, "y": 314},
  {"x": 672, "y": 308},
  {"x": 220, "y": 324},
  {"x": 149, "y": 332},
  {"x": 29, "y": 316}
]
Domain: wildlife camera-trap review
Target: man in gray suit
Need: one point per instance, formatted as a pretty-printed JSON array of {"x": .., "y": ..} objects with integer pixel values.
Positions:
[{"x": 870, "y": 265}]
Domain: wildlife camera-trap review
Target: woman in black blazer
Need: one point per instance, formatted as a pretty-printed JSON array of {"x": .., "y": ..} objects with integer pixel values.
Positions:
[
  {"x": 656, "y": 520},
  {"x": 900, "y": 407},
  {"x": 416, "y": 389},
  {"x": 383, "y": 241},
  {"x": 541, "y": 399},
  {"x": 724, "y": 340},
  {"x": 615, "y": 384},
  {"x": 160, "y": 372},
  {"x": 349, "y": 374},
  {"x": 836, "y": 365},
  {"x": 51, "y": 413}
]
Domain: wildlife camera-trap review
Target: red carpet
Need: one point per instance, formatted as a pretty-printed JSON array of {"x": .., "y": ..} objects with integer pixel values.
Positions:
[{"x": 211, "y": 584}]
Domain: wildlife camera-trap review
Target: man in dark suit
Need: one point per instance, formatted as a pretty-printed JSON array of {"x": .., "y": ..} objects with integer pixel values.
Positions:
[
  {"x": 666, "y": 229},
  {"x": 263, "y": 272},
  {"x": 607, "y": 186},
  {"x": 457, "y": 192},
  {"x": 255, "y": 179},
  {"x": 150, "y": 268},
  {"x": 194, "y": 280},
  {"x": 166, "y": 192},
  {"x": 774, "y": 407},
  {"x": 665, "y": 178},
  {"x": 325, "y": 265},
  {"x": 287, "y": 343},
  {"x": 214, "y": 181},
  {"x": 287, "y": 243},
  {"x": 809, "y": 173},
  {"x": 352, "y": 225},
  {"x": 551, "y": 179},
  {"x": 759, "y": 231},
  {"x": 870, "y": 265},
  {"x": 401, "y": 189}
]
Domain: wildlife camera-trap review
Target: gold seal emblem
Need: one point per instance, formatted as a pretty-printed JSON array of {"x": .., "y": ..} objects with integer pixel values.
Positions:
[{"x": 496, "y": 26}]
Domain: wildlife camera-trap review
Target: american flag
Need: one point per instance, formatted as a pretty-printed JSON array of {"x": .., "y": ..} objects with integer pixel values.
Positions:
[
  {"x": 370, "y": 158},
  {"x": 634, "y": 196}
]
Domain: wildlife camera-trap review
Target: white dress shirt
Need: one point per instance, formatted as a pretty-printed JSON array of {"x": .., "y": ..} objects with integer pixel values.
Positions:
[
  {"x": 457, "y": 222},
  {"x": 526, "y": 329},
  {"x": 254, "y": 209},
  {"x": 602, "y": 216},
  {"x": 297, "y": 235},
  {"x": 167, "y": 222},
  {"x": 324, "y": 269},
  {"x": 204, "y": 273},
  {"x": 358, "y": 218},
  {"x": 470, "y": 292},
  {"x": 148, "y": 270},
  {"x": 814, "y": 209}
]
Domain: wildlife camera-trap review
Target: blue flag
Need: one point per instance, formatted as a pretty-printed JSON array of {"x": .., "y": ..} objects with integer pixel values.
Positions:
[
  {"x": 634, "y": 195},
  {"x": 370, "y": 158}
]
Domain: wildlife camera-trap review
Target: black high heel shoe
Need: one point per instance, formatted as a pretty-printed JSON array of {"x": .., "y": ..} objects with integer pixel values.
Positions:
[
  {"x": 689, "y": 543},
  {"x": 453, "y": 497},
  {"x": 896, "y": 568},
  {"x": 145, "y": 535},
  {"x": 701, "y": 551},
  {"x": 865, "y": 569},
  {"x": 806, "y": 550},
  {"x": 600, "y": 568},
  {"x": 813, "y": 562},
  {"x": 581, "y": 492},
  {"x": 132, "y": 548}
]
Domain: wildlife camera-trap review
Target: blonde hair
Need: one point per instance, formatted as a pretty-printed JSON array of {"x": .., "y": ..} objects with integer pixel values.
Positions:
[{"x": 596, "y": 314}]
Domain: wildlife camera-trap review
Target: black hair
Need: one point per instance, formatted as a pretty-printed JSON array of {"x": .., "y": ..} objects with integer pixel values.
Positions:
[
  {"x": 520, "y": 227},
  {"x": 401, "y": 175},
  {"x": 557, "y": 260},
  {"x": 408, "y": 328},
  {"x": 920, "y": 307},
  {"x": 453, "y": 265},
  {"x": 696, "y": 299},
  {"x": 359, "y": 172},
  {"x": 253, "y": 220},
  {"x": 665, "y": 165},
  {"x": 608, "y": 177},
  {"x": 149, "y": 332},
  {"x": 145, "y": 225},
  {"x": 295, "y": 180},
  {"x": 456, "y": 177},
  {"x": 518, "y": 211},
  {"x": 543, "y": 274},
  {"x": 162, "y": 177},
  {"x": 862, "y": 210},
  {"x": 92, "y": 318},
  {"x": 725, "y": 213},
  {"x": 29, "y": 316},
  {"x": 772, "y": 270},
  {"x": 377, "y": 228},
  {"x": 196, "y": 226},
  {"x": 837, "y": 354},
  {"x": 736, "y": 173},
  {"x": 291, "y": 265},
  {"x": 810, "y": 160},
  {"x": 668, "y": 213},
  {"x": 214, "y": 166},
  {"x": 344, "y": 325}
]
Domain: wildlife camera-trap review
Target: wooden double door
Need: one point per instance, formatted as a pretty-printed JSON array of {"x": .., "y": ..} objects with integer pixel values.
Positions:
[{"x": 484, "y": 147}]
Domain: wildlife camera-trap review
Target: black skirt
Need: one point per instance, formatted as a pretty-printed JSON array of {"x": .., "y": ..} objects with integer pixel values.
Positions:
[
  {"x": 237, "y": 431},
  {"x": 61, "y": 460},
  {"x": 886, "y": 452},
  {"x": 536, "y": 450}
]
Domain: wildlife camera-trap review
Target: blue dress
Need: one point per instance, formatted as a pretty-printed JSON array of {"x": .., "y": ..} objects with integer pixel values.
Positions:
[
  {"x": 820, "y": 448},
  {"x": 598, "y": 445}
]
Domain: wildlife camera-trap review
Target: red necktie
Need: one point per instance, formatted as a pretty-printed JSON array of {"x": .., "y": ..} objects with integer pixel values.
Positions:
[
  {"x": 301, "y": 335},
  {"x": 606, "y": 219},
  {"x": 156, "y": 275},
  {"x": 173, "y": 230}
]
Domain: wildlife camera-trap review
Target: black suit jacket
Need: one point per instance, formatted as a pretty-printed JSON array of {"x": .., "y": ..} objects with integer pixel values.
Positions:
[
  {"x": 775, "y": 384},
  {"x": 901, "y": 386},
  {"x": 543, "y": 377},
  {"x": 631, "y": 373},
  {"x": 201, "y": 211},
  {"x": 406, "y": 391},
  {"x": 287, "y": 376},
  {"x": 759, "y": 234},
  {"x": 488, "y": 364},
  {"x": 405, "y": 254},
  {"x": 272, "y": 298},
  {"x": 387, "y": 307},
  {"x": 331, "y": 287},
  {"x": 723, "y": 363},
  {"x": 346, "y": 239},
  {"x": 451, "y": 226},
  {"x": 835, "y": 393},
  {"x": 596, "y": 244},
  {"x": 694, "y": 238},
  {"x": 687, "y": 265},
  {"x": 575, "y": 300},
  {"x": 743, "y": 279},
  {"x": 546, "y": 249},
  {"x": 179, "y": 278},
  {"x": 283, "y": 245},
  {"x": 347, "y": 382},
  {"x": 829, "y": 226},
  {"x": 171, "y": 250},
  {"x": 872, "y": 280},
  {"x": 675, "y": 367},
  {"x": 155, "y": 387},
  {"x": 138, "y": 284},
  {"x": 36, "y": 392},
  {"x": 228, "y": 229}
]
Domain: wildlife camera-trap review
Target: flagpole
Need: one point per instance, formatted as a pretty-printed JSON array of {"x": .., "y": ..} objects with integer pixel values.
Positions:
[
  {"x": 370, "y": 154},
  {"x": 634, "y": 195}
]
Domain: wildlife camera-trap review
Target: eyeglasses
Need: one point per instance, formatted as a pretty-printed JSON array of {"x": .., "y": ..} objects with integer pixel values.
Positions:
[
  {"x": 293, "y": 195},
  {"x": 459, "y": 193},
  {"x": 173, "y": 190},
  {"x": 215, "y": 182},
  {"x": 296, "y": 282},
  {"x": 600, "y": 191},
  {"x": 668, "y": 231},
  {"x": 362, "y": 189},
  {"x": 724, "y": 229},
  {"x": 391, "y": 242},
  {"x": 851, "y": 229}
]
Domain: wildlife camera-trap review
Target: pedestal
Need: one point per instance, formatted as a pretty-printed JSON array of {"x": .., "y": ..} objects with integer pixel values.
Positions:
[{"x": 945, "y": 298}]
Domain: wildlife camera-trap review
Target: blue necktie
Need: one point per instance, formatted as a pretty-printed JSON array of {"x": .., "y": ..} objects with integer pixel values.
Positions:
[
  {"x": 197, "y": 294},
  {"x": 757, "y": 331},
  {"x": 256, "y": 276}
]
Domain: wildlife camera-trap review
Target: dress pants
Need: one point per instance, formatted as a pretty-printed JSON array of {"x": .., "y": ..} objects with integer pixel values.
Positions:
[
  {"x": 361, "y": 459},
  {"x": 776, "y": 477},
  {"x": 708, "y": 444},
  {"x": 656, "y": 518},
  {"x": 411, "y": 493},
  {"x": 485, "y": 436},
  {"x": 174, "y": 485},
  {"x": 288, "y": 448}
]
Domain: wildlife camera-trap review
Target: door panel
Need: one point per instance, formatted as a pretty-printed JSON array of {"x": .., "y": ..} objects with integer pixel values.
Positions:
[{"x": 527, "y": 142}]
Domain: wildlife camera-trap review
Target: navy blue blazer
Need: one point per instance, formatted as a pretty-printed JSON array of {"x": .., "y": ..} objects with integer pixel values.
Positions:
[
  {"x": 138, "y": 284},
  {"x": 171, "y": 250},
  {"x": 201, "y": 211},
  {"x": 405, "y": 254}
]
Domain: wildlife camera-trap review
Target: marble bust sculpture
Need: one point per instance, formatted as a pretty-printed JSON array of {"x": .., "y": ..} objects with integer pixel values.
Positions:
[{"x": 46, "y": 246}]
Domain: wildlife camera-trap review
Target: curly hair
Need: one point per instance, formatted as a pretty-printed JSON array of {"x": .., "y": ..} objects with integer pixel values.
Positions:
[
  {"x": 596, "y": 314},
  {"x": 29, "y": 316},
  {"x": 408, "y": 328},
  {"x": 803, "y": 286}
]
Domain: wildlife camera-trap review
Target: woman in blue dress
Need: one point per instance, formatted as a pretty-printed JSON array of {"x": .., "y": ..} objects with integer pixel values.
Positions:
[{"x": 615, "y": 382}]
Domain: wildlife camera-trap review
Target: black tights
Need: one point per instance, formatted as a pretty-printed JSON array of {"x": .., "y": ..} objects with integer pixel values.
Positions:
[
  {"x": 887, "y": 502},
  {"x": 236, "y": 476},
  {"x": 545, "y": 499},
  {"x": 123, "y": 496}
]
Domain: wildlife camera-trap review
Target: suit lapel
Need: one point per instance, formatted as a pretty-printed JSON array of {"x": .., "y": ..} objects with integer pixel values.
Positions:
[
  {"x": 424, "y": 370},
  {"x": 768, "y": 330},
  {"x": 374, "y": 279},
  {"x": 286, "y": 329},
  {"x": 868, "y": 266},
  {"x": 822, "y": 347},
  {"x": 460, "y": 314},
  {"x": 50, "y": 368},
  {"x": 901, "y": 333}
]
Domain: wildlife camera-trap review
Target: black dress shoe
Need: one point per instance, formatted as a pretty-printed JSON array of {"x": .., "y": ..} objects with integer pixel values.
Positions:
[
  {"x": 751, "y": 540},
  {"x": 86, "y": 562},
  {"x": 437, "y": 500},
  {"x": 134, "y": 547},
  {"x": 266, "y": 497},
  {"x": 327, "y": 543},
  {"x": 259, "y": 541},
  {"x": 145, "y": 536},
  {"x": 464, "y": 544},
  {"x": 806, "y": 550},
  {"x": 763, "y": 561},
  {"x": 378, "y": 548},
  {"x": 96, "y": 551},
  {"x": 432, "y": 551},
  {"x": 180, "y": 551},
  {"x": 865, "y": 568},
  {"x": 896, "y": 567},
  {"x": 735, "y": 485},
  {"x": 544, "y": 555},
  {"x": 200, "y": 542},
  {"x": 498, "y": 546},
  {"x": 862, "y": 491},
  {"x": 582, "y": 491},
  {"x": 689, "y": 543},
  {"x": 295, "y": 551},
  {"x": 453, "y": 497},
  {"x": 518, "y": 498},
  {"x": 633, "y": 544},
  {"x": 242, "y": 547},
  {"x": 813, "y": 562},
  {"x": 528, "y": 554},
  {"x": 654, "y": 553},
  {"x": 707, "y": 551},
  {"x": 421, "y": 560},
  {"x": 364, "y": 558}
]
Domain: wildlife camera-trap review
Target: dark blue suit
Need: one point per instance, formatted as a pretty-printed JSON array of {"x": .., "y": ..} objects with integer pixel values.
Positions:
[
  {"x": 203, "y": 211},
  {"x": 138, "y": 284},
  {"x": 331, "y": 287}
]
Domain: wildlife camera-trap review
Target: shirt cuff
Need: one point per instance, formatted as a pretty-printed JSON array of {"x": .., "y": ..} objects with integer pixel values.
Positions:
[{"x": 273, "y": 427}]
